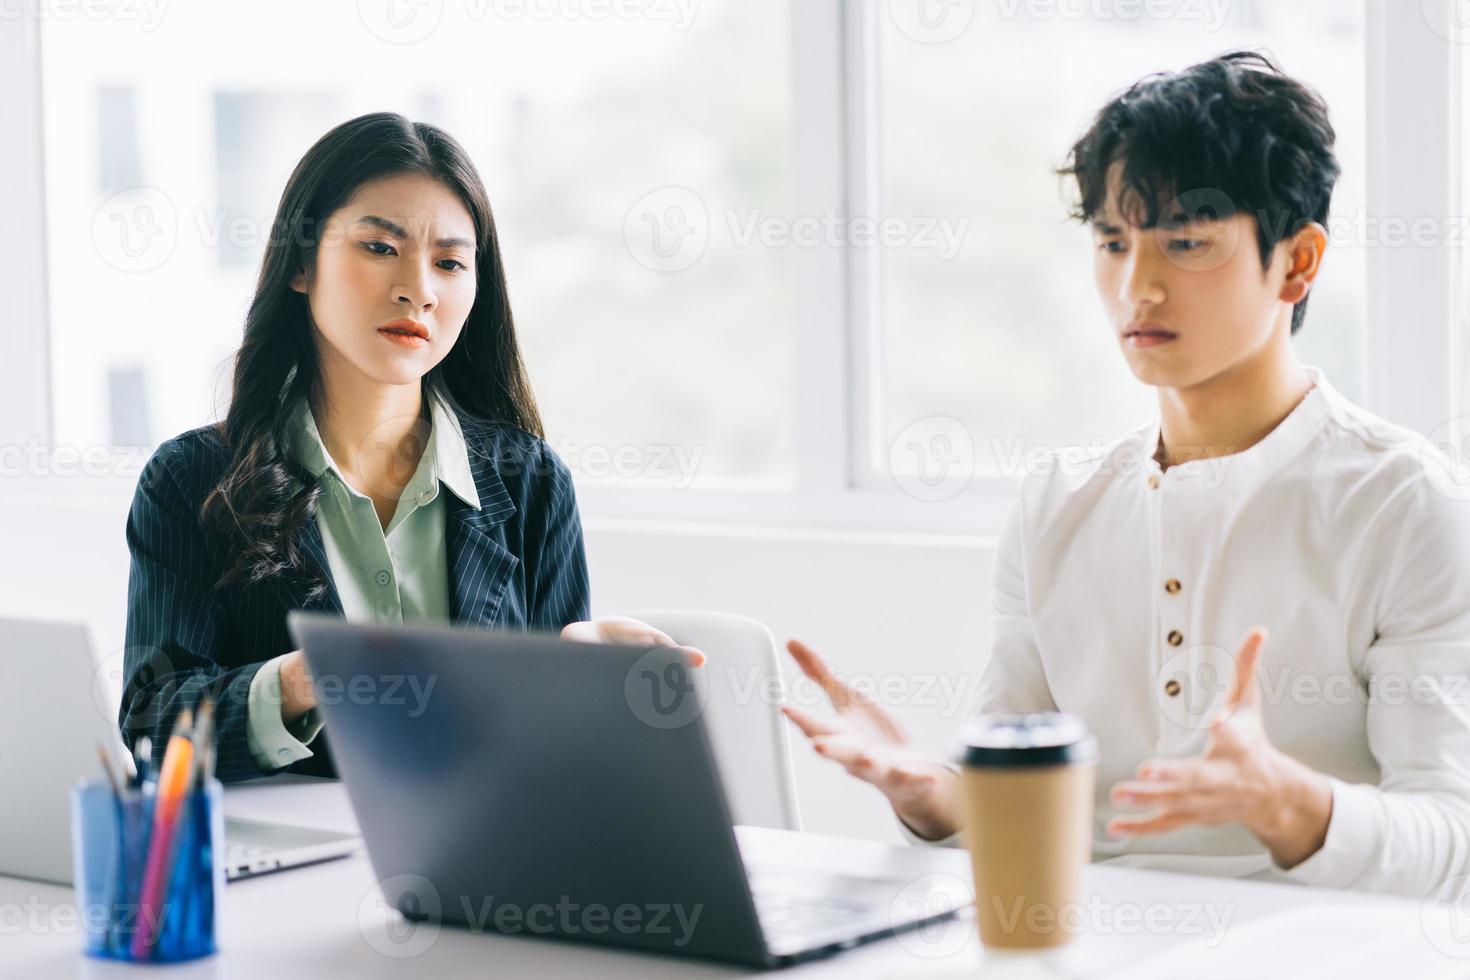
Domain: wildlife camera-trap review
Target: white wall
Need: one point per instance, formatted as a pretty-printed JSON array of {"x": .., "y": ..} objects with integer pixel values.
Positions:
[{"x": 906, "y": 612}]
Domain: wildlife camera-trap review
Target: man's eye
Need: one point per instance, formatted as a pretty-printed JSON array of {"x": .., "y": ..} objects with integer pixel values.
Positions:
[
  {"x": 1187, "y": 244},
  {"x": 1111, "y": 246}
]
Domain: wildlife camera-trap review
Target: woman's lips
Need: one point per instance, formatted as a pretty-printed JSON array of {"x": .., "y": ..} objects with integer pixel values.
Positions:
[{"x": 403, "y": 338}]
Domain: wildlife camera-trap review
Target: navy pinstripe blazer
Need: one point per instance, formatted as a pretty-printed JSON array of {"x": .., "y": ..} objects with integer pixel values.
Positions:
[{"x": 517, "y": 561}]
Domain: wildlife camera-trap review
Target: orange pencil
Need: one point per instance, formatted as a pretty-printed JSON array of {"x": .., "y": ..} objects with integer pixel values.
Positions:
[{"x": 178, "y": 761}]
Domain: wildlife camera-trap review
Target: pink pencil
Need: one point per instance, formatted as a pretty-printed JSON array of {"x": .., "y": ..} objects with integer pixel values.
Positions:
[{"x": 178, "y": 761}]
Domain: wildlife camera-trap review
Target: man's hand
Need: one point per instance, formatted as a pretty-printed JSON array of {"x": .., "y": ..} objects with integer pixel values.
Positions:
[
  {"x": 622, "y": 629},
  {"x": 1241, "y": 777},
  {"x": 871, "y": 745}
]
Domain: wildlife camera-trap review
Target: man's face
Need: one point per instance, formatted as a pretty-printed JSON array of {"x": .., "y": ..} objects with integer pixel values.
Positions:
[{"x": 1187, "y": 299}]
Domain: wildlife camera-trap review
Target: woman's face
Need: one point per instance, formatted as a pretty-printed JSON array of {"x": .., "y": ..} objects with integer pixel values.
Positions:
[{"x": 393, "y": 282}]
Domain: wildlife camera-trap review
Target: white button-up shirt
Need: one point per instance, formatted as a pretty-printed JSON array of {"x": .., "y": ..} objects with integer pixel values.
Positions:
[{"x": 1122, "y": 591}]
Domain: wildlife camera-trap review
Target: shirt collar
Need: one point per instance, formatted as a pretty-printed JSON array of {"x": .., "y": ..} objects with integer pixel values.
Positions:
[
  {"x": 1266, "y": 457},
  {"x": 446, "y": 458}
]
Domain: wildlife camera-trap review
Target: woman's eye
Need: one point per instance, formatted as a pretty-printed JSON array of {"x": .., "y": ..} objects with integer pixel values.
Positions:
[
  {"x": 373, "y": 247},
  {"x": 1114, "y": 247},
  {"x": 455, "y": 265}
]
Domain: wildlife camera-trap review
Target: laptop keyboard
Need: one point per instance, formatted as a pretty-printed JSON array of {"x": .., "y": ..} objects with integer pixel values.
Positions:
[{"x": 784, "y": 914}]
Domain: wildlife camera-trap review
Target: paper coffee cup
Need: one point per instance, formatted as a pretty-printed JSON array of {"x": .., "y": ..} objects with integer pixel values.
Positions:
[{"x": 1028, "y": 796}]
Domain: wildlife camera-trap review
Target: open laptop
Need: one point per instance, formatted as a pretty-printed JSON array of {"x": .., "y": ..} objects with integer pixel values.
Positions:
[
  {"x": 518, "y": 783},
  {"x": 55, "y": 709}
]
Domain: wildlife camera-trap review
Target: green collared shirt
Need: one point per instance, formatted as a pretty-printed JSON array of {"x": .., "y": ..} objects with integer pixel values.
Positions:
[{"x": 385, "y": 575}]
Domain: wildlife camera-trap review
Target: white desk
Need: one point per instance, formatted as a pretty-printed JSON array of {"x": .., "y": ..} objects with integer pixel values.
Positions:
[{"x": 325, "y": 920}]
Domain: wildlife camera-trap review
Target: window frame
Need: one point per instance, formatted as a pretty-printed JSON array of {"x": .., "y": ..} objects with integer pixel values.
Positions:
[{"x": 1414, "y": 333}]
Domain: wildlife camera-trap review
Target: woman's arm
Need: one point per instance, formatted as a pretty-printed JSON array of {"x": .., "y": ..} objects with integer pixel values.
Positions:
[{"x": 173, "y": 623}]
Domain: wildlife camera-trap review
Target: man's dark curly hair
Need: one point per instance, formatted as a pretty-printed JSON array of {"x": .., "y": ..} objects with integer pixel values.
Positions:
[{"x": 1233, "y": 135}]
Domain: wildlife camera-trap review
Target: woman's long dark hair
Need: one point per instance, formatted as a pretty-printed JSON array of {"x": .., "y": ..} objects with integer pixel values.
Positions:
[{"x": 483, "y": 378}]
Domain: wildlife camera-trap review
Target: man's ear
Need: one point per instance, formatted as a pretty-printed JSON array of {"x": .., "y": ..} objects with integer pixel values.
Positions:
[{"x": 1304, "y": 252}]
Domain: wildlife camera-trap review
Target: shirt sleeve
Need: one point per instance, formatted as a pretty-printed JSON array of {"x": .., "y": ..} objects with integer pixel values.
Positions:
[
  {"x": 273, "y": 743},
  {"x": 1014, "y": 679},
  {"x": 1410, "y": 834}
]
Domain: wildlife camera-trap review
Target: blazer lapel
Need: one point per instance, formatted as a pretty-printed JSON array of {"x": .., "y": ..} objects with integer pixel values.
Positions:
[{"x": 480, "y": 566}]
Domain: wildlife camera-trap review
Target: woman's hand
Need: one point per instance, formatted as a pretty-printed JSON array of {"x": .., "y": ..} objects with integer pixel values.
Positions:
[
  {"x": 631, "y": 632},
  {"x": 297, "y": 694},
  {"x": 872, "y": 746}
]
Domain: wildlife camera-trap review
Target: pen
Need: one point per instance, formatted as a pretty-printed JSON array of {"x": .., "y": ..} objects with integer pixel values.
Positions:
[
  {"x": 173, "y": 780},
  {"x": 142, "y": 752},
  {"x": 111, "y": 775}
]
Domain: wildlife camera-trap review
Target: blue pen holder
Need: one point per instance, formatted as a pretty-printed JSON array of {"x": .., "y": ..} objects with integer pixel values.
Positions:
[{"x": 110, "y": 840}]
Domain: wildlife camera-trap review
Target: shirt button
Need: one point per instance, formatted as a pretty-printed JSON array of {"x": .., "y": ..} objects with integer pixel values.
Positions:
[
  {"x": 383, "y": 578},
  {"x": 1153, "y": 481},
  {"x": 1175, "y": 638},
  {"x": 1172, "y": 586},
  {"x": 1172, "y": 688},
  {"x": 284, "y": 753}
]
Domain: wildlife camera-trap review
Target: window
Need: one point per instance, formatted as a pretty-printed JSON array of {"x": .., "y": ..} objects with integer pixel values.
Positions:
[
  {"x": 621, "y": 159},
  {"x": 750, "y": 246},
  {"x": 999, "y": 328}
]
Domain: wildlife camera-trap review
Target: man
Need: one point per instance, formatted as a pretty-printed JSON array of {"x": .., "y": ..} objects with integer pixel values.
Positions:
[{"x": 1135, "y": 585}]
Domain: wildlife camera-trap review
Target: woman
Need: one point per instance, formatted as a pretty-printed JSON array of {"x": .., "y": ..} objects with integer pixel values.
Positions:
[{"x": 382, "y": 458}]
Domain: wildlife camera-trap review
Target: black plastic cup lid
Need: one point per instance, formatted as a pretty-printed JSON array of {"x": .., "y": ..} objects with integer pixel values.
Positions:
[{"x": 1041, "y": 739}]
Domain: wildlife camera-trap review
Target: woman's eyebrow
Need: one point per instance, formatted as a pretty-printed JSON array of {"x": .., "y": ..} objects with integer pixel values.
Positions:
[{"x": 393, "y": 228}]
